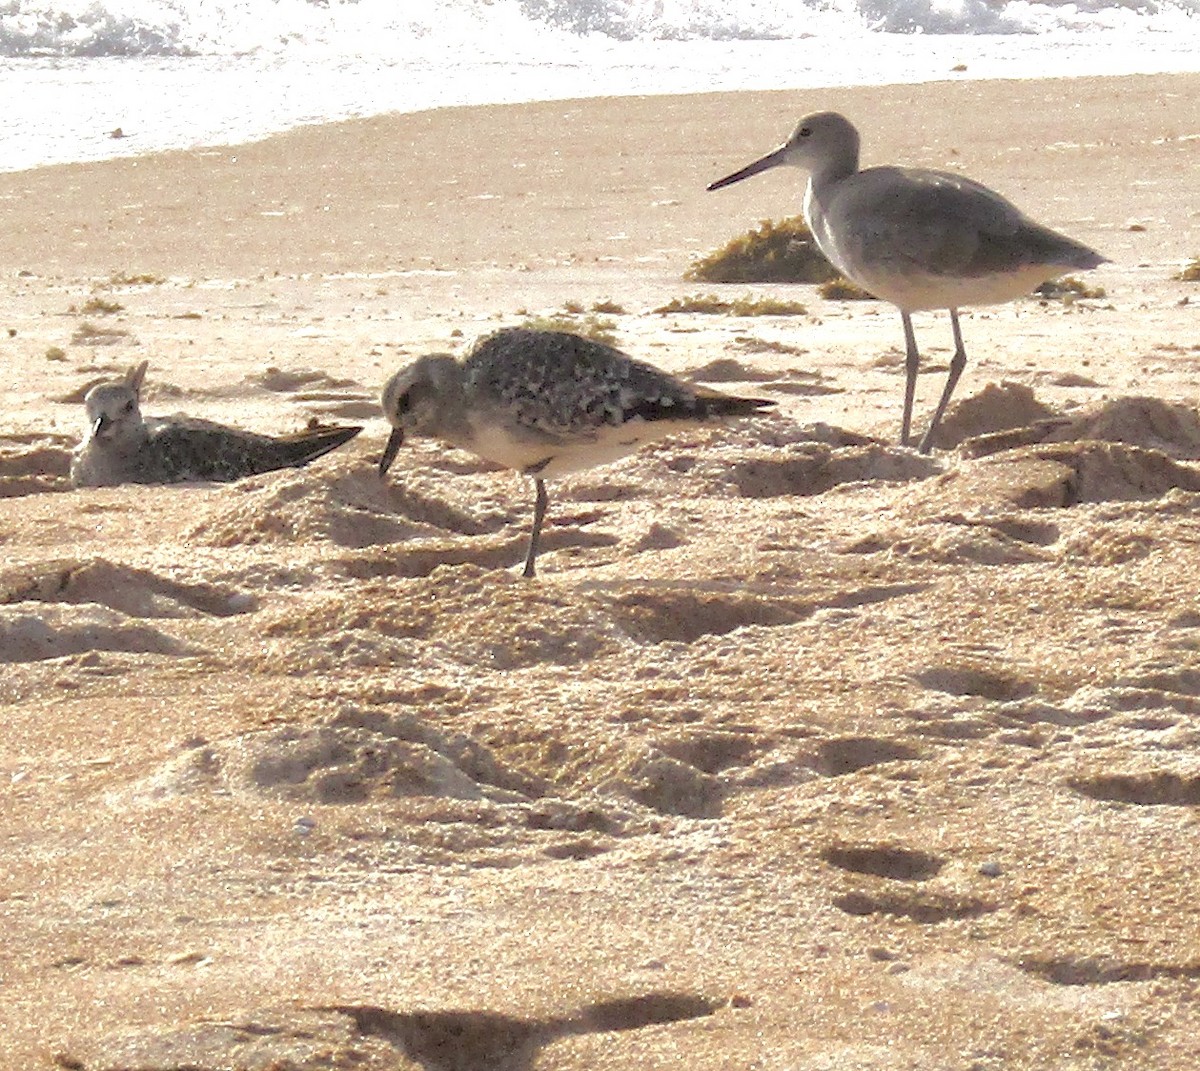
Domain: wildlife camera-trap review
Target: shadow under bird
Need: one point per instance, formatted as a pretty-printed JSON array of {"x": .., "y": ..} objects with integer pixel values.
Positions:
[
  {"x": 545, "y": 403},
  {"x": 122, "y": 446},
  {"x": 917, "y": 238}
]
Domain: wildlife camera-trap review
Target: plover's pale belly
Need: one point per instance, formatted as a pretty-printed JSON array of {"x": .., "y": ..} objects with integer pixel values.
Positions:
[
  {"x": 501, "y": 445},
  {"x": 527, "y": 451}
]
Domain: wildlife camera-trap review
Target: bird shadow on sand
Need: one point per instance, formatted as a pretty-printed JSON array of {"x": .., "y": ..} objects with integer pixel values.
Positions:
[{"x": 365, "y": 1035}]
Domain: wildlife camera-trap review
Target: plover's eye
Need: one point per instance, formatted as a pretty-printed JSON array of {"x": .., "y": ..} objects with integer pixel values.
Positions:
[
  {"x": 128, "y": 407},
  {"x": 805, "y": 132},
  {"x": 402, "y": 404}
]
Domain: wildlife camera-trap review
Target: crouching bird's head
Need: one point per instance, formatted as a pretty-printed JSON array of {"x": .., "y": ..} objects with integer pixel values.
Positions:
[
  {"x": 418, "y": 400},
  {"x": 113, "y": 409}
]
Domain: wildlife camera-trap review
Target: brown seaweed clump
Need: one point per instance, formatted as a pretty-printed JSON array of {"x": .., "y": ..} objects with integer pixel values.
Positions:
[
  {"x": 840, "y": 289},
  {"x": 773, "y": 252},
  {"x": 1068, "y": 289},
  {"x": 747, "y": 305},
  {"x": 599, "y": 328}
]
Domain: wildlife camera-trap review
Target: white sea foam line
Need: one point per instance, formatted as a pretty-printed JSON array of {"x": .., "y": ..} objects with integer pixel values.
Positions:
[{"x": 63, "y": 111}]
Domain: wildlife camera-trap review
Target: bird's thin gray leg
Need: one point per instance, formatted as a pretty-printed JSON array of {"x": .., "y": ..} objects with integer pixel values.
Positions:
[
  {"x": 957, "y": 363},
  {"x": 539, "y": 514},
  {"x": 911, "y": 360}
]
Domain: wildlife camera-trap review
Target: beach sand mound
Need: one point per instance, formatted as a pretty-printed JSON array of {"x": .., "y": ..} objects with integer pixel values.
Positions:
[
  {"x": 34, "y": 464},
  {"x": 473, "y": 617},
  {"x": 290, "y": 381},
  {"x": 373, "y": 758},
  {"x": 131, "y": 591},
  {"x": 361, "y": 757},
  {"x": 358, "y": 756},
  {"x": 344, "y": 503},
  {"x": 1170, "y": 428},
  {"x": 1152, "y": 423},
  {"x": 1055, "y": 476},
  {"x": 331, "y": 396},
  {"x": 999, "y": 407},
  {"x": 816, "y": 468},
  {"x": 52, "y": 631}
]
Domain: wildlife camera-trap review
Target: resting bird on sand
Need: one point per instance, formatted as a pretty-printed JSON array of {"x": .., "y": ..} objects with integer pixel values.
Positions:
[
  {"x": 122, "y": 447},
  {"x": 545, "y": 403},
  {"x": 917, "y": 238}
]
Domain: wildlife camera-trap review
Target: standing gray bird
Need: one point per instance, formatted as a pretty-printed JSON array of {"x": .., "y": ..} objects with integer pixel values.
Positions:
[
  {"x": 545, "y": 403},
  {"x": 122, "y": 447},
  {"x": 917, "y": 238}
]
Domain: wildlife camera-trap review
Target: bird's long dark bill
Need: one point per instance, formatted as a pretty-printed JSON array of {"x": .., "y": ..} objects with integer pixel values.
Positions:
[
  {"x": 395, "y": 441},
  {"x": 772, "y": 159}
]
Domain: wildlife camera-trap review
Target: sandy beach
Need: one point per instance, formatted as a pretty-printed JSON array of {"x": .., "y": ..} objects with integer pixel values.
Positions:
[{"x": 801, "y": 752}]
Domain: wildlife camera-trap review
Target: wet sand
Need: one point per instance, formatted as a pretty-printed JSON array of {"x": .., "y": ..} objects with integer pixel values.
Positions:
[{"x": 801, "y": 752}]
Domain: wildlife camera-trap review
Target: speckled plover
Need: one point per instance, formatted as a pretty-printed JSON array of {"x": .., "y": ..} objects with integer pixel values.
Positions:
[
  {"x": 545, "y": 403},
  {"x": 121, "y": 446}
]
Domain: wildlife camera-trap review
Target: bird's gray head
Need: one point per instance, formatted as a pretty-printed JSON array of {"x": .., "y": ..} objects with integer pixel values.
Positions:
[
  {"x": 820, "y": 141},
  {"x": 415, "y": 396},
  {"x": 113, "y": 411}
]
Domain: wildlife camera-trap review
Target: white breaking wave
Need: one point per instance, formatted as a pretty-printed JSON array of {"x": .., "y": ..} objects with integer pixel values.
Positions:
[{"x": 166, "y": 28}]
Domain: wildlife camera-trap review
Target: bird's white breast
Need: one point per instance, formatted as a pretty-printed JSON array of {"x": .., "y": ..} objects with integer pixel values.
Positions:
[{"x": 549, "y": 458}]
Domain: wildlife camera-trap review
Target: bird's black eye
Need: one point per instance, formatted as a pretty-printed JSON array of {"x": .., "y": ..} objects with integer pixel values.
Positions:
[
  {"x": 129, "y": 406},
  {"x": 402, "y": 404},
  {"x": 805, "y": 131}
]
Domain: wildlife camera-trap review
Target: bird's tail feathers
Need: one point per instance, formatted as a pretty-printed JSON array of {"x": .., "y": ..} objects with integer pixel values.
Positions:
[
  {"x": 712, "y": 403},
  {"x": 312, "y": 443}
]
